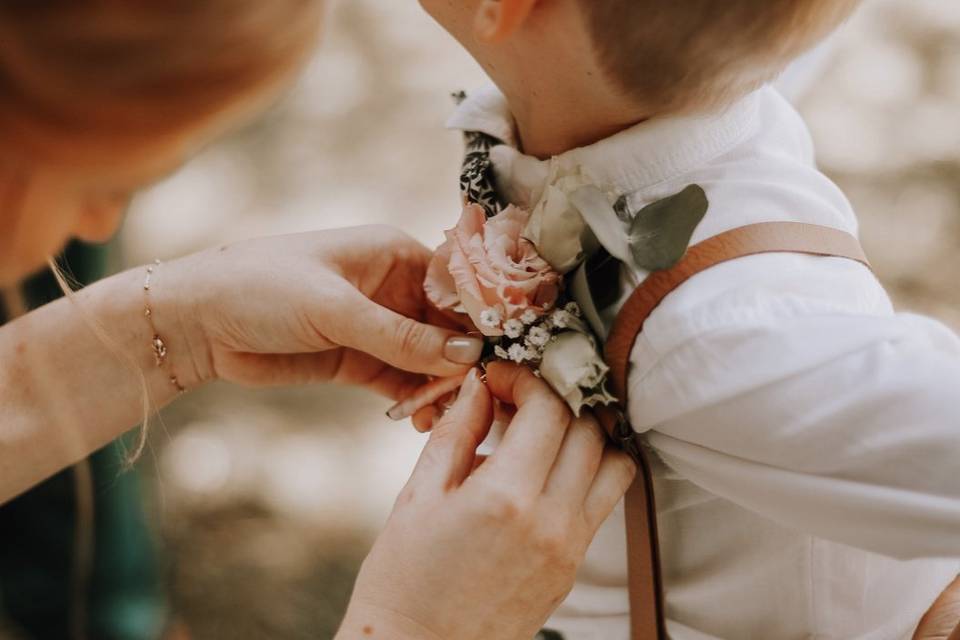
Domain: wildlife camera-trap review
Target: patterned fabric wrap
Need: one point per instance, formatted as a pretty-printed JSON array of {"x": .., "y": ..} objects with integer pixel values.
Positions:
[{"x": 477, "y": 183}]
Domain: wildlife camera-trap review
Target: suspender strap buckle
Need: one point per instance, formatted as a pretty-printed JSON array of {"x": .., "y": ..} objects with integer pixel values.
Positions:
[
  {"x": 627, "y": 438},
  {"x": 615, "y": 423}
]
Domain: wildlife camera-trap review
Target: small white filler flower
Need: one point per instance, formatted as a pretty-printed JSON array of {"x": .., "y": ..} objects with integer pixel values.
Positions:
[
  {"x": 513, "y": 328},
  {"x": 529, "y": 316},
  {"x": 518, "y": 353},
  {"x": 490, "y": 317},
  {"x": 538, "y": 336}
]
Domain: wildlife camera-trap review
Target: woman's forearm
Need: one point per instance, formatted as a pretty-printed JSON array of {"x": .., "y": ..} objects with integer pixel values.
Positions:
[
  {"x": 313, "y": 307},
  {"x": 74, "y": 373}
]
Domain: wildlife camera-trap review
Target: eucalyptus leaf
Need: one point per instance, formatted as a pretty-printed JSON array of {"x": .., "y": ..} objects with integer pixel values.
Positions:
[{"x": 660, "y": 233}]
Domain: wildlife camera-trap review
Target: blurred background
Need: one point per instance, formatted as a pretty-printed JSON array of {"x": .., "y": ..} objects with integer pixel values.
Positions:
[{"x": 265, "y": 502}]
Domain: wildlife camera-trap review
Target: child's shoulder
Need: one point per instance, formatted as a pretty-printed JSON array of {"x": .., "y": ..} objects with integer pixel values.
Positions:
[
  {"x": 767, "y": 176},
  {"x": 748, "y": 323},
  {"x": 766, "y": 291}
]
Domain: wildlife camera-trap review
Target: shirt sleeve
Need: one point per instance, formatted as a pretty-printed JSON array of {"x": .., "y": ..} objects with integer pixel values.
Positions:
[{"x": 843, "y": 426}]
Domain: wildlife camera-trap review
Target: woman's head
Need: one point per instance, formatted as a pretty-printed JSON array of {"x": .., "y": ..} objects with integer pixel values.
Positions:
[{"x": 99, "y": 97}]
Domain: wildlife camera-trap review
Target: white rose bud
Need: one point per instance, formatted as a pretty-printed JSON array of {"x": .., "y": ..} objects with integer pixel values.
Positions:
[
  {"x": 556, "y": 228},
  {"x": 572, "y": 366}
]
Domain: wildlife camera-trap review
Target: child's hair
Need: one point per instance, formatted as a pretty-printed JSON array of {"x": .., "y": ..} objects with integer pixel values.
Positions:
[
  {"x": 687, "y": 55},
  {"x": 126, "y": 71}
]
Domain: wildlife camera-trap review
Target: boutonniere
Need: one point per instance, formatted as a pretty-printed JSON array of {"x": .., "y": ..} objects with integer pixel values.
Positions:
[
  {"x": 490, "y": 272},
  {"x": 509, "y": 274}
]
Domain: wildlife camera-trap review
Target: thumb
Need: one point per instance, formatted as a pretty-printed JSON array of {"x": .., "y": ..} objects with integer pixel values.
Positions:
[{"x": 401, "y": 341}]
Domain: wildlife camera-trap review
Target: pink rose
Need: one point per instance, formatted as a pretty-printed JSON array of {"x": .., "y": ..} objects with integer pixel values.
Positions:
[{"x": 487, "y": 269}]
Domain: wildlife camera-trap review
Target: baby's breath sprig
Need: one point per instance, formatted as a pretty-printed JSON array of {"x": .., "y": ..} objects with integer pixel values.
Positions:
[
  {"x": 559, "y": 347},
  {"x": 525, "y": 338}
]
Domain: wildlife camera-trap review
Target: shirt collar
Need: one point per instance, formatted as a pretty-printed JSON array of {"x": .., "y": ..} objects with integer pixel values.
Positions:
[
  {"x": 485, "y": 110},
  {"x": 648, "y": 153}
]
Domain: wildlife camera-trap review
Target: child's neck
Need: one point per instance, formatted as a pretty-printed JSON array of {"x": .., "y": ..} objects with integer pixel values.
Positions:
[{"x": 550, "y": 123}]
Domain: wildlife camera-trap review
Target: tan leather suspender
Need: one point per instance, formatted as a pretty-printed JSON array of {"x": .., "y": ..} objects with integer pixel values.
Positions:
[{"x": 643, "y": 562}]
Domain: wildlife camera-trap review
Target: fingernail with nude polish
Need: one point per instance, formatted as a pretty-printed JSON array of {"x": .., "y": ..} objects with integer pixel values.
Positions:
[
  {"x": 463, "y": 350},
  {"x": 469, "y": 384},
  {"x": 425, "y": 396}
]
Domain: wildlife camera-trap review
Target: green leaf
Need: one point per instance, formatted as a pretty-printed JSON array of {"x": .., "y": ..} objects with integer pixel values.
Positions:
[{"x": 660, "y": 233}]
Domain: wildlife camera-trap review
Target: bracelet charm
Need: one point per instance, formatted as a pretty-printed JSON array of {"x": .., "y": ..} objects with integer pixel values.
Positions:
[{"x": 157, "y": 344}]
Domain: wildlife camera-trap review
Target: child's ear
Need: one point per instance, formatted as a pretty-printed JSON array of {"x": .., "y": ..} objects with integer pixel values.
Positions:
[{"x": 499, "y": 19}]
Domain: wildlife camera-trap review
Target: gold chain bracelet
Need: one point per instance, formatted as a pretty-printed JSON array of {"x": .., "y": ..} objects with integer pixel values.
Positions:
[{"x": 157, "y": 344}]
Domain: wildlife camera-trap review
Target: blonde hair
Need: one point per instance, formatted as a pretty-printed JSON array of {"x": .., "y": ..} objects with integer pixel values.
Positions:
[
  {"x": 681, "y": 55},
  {"x": 126, "y": 71}
]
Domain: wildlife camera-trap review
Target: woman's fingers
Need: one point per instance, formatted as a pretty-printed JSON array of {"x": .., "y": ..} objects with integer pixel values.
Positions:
[
  {"x": 450, "y": 453},
  {"x": 616, "y": 473},
  {"x": 942, "y": 620},
  {"x": 424, "y": 419},
  {"x": 530, "y": 446},
  {"x": 578, "y": 461},
  {"x": 392, "y": 383},
  {"x": 583, "y": 465},
  {"x": 430, "y": 393},
  {"x": 342, "y": 366},
  {"x": 357, "y": 322}
]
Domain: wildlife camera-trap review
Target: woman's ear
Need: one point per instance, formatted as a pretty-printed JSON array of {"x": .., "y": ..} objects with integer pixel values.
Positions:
[{"x": 497, "y": 20}]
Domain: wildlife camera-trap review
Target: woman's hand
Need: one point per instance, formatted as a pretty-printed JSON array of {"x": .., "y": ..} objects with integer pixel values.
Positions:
[
  {"x": 342, "y": 305},
  {"x": 478, "y": 552}
]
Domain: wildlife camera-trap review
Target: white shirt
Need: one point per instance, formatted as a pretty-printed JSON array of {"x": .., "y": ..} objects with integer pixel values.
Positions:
[{"x": 808, "y": 436}]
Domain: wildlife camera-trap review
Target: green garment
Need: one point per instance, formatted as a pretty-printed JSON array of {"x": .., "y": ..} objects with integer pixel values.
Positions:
[{"x": 37, "y": 530}]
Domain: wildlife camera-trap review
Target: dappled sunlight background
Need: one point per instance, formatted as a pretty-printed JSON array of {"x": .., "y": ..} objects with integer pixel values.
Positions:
[{"x": 266, "y": 501}]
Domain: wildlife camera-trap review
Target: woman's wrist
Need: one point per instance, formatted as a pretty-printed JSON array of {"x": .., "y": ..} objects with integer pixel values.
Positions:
[
  {"x": 142, "y": 315},
  {"x": 83, "y": 372},
  {"x": 177, "y": 318}
]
